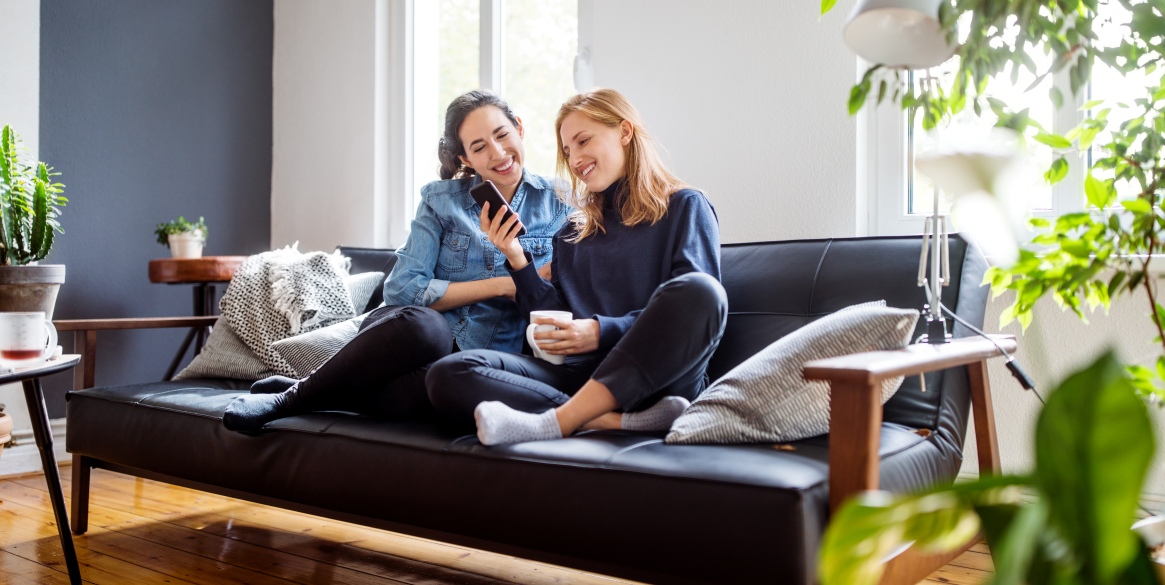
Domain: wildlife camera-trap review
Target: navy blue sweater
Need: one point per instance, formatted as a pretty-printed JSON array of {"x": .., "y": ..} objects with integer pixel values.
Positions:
[{"x": 611, "y": 276}]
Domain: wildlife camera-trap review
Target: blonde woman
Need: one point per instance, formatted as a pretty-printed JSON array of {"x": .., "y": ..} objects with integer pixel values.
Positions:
[{"x": 638, "y": 266}]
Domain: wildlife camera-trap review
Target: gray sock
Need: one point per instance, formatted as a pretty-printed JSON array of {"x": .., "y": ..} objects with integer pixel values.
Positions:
[
  {"x": 498, "y": 424},
  {"x": 272, "y": 385},
  {"x": 659, "y": 417},
  {"x": 248, "y": 413}
]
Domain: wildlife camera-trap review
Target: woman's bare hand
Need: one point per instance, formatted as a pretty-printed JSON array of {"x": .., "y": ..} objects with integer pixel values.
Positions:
[
  {"x": 572, "y": 336},
  {"x": 503, "y": 233}
]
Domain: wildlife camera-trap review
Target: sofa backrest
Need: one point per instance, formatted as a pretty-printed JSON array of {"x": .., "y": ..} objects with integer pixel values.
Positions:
[{"x": 775, "y": 288}]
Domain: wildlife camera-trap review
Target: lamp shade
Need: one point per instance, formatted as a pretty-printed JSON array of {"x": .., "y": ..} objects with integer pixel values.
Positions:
[{"x": 904, "y": 34}]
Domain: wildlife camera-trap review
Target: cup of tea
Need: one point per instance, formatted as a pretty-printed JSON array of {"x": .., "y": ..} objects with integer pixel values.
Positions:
[
  {"x": 26, "y": 339},
  {"x": 538, "y": 352}
]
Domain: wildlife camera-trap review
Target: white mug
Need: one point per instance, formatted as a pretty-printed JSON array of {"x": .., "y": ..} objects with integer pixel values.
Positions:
[
  {"x": 538, "y": 353},
  {"x": 26, "y": 339}
]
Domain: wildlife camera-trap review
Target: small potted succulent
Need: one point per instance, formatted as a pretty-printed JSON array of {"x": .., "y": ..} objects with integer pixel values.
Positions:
[{"x": 185, "y": 239}]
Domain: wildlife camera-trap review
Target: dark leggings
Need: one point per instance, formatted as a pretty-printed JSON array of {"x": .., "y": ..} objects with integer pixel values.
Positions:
[
  {"x": 666, "y": 352},
  {"x": 382, "y": 370}
]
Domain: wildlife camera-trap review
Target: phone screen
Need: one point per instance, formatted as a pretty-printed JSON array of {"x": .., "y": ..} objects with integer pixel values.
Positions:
[{"x": 488, "y": 192}]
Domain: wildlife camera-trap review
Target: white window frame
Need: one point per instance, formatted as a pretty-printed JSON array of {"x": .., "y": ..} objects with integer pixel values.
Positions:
[{"x": 884, "y": 166}]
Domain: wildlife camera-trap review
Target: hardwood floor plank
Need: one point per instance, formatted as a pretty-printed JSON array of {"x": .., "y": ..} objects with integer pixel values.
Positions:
[
  {"x": 973, "y": 559},
  {"x": 144, "y": 553},
  {"x": 17, "y": 570},
  {"x": 174, "y": 503},
  {"x": 239, "y": 553}
]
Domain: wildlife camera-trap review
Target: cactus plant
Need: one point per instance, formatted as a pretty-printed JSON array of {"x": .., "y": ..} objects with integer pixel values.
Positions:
[{"x": 30, "y": 203}]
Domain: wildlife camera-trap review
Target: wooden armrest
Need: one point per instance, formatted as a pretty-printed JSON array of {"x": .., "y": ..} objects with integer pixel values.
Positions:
[
  {"x": 85, "y": 338},
  {"x": 135, "y": 323},
  {"x": 855, "y": 419}
]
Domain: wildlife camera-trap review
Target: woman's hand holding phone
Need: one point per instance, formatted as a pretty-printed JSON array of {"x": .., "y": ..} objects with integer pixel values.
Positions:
[{"x": 503, "y": 231}]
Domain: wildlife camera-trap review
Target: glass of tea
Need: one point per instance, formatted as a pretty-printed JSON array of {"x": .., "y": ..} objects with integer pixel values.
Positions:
[{"x": 26, "y": 339}]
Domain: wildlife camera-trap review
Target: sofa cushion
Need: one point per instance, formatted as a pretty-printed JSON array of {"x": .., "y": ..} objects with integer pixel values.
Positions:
[
  {"x": 225, "y": 356},
  {"x": 765, "y": 399}
]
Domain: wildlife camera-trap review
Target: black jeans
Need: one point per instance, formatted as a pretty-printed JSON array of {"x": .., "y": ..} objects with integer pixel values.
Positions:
[
  {"x": 666, "y": 352},
  {"x": 382, "y": 370}
]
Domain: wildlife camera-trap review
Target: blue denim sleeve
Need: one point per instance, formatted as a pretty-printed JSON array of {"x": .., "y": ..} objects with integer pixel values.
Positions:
[{"x": 412, "y": 281}]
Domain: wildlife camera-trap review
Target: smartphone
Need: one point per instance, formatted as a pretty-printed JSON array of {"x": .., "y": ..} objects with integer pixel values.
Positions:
[{"x": 487, "y": 192}]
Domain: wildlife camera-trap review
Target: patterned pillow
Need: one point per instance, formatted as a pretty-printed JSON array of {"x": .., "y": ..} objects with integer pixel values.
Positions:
[
  {"x": 765, "y": 399},
  {"x": 308, "y": 351},
  {"x": 362, "y": 286},
  {"x": 225, "y": 356}
]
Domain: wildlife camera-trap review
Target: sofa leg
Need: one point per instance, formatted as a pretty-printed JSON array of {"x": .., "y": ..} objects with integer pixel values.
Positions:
[{"x": 79, "y": 515}]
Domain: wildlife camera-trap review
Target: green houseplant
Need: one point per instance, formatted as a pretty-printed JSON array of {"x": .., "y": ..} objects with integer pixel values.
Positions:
[
  {"x": 185, "y": 239},
  {"x": 30, "y": 203},
  {"x": 1068, "y": 521}
]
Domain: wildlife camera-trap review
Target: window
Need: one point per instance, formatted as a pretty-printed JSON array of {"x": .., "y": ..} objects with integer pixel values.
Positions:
[
  {"x": 522, "y": 49},
  {"x": 899, "y": 197}
]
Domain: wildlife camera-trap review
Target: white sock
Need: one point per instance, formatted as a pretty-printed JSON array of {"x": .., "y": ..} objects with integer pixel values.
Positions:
[
  {"x": 498, "y": 424},
  {"x": 657, "y": 418}
]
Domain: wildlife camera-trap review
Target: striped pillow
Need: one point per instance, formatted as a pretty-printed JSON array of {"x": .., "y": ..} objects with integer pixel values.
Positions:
[
  {"x": 765, "y": 399},
  {"x": 308, "y": 351}
]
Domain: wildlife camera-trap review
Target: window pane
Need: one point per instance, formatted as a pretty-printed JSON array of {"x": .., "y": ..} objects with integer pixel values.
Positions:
[
  {"x": 459, "y": 48},
  {"x": 920, "y": 190},
  {"x": 541, "y": 39},
  {"x": 1115, "y": 87}
]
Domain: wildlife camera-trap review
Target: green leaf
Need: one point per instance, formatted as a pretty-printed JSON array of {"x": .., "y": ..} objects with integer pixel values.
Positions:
[
  {"x": 1057, "y": 172},
  {"x": 1094, "y": 444},
  {"x": 827, "y": 5},
  {"x": 1013, "y": 531},
  {"x": 1137, "y": 206},
  {"x": 1100, "y": 193},
  {"x": 857, "y": 97},
  {"x": 1053, "y": 140},
  {"x": 1056, "y": 96}
]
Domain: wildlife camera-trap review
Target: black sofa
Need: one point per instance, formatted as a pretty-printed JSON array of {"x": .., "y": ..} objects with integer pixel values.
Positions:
[{"x": 669, "y": 514}]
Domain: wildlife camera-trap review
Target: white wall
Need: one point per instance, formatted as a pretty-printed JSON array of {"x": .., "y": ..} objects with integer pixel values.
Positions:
[
  {"x": 749, "y": 98},
  {"x": 20, "y": 108},
  {"x": 328, "y": 184}
]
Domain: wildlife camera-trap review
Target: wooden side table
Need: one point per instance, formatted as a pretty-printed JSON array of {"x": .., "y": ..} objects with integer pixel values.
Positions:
[
  {"x": 34, "y": 396},
  {"x": 203, "y": 273}
]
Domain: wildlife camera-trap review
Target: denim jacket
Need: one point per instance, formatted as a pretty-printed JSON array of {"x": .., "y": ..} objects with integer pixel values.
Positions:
[{"x": 446, "y": 245}]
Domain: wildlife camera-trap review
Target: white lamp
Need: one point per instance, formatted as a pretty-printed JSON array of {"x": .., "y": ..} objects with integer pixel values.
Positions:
[{"x": 903, "y": 34}]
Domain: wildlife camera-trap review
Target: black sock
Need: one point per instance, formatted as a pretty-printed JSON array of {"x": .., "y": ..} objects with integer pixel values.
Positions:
[
  {"x": 272, "y": 385},
  {"x": 248, "y": 413}
]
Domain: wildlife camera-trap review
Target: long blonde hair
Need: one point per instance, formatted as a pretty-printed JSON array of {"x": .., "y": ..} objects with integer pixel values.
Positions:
[{"x": 649, "y": 183}]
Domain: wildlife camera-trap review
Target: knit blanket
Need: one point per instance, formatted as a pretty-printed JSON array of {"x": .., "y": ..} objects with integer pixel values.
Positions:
[{"x": 281, "y": 293}]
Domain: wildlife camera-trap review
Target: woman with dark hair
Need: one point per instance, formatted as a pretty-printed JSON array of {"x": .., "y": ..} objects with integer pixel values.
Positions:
[
  {"x": 449, "y": 289},
  {"x": 638, "y": 268}
]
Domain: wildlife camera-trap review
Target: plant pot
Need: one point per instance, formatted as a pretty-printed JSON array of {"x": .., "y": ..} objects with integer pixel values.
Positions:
[
  {"x": 186, "y": 244},
  {"x": 30, "y": 288},
  {"x": 1152, "y": 530}
]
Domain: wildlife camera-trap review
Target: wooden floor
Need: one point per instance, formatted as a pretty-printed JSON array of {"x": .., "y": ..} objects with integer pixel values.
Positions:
[{"x": 142, "y": 532}]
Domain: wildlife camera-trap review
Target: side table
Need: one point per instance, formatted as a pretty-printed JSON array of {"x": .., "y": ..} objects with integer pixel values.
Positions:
[
  {"x": 34, "y": 396},
  {"x": 203, "y": 273}
]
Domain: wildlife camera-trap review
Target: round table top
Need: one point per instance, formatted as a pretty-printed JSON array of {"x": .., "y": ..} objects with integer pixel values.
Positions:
[
  {"x": 52, "y": 366},
  {"x": 193, "y": 270}
]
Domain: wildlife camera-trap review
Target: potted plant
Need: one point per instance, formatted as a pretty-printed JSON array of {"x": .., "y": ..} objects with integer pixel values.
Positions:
[
  {"x": 185, "y": 239},
  {"x": 1094, "y": 440},
  {"x": 30, "y": 203}
]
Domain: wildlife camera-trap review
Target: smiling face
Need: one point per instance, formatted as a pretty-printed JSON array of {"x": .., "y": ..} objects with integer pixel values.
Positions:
[
  {"x": 493, "y": 147},
  {"x": 595, "y": 153}
]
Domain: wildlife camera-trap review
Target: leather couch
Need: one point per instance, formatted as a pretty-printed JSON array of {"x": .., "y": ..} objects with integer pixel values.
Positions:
[{"x": 619, "y": 503}]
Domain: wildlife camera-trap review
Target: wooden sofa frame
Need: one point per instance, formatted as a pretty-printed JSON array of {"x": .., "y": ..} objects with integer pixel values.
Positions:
[{"x": 855, "y": 423}]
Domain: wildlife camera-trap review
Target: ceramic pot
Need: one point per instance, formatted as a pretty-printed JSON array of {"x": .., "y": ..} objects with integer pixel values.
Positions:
[
  {"x": 30, "y": 288},
  {"x": 186, "y": 244}
]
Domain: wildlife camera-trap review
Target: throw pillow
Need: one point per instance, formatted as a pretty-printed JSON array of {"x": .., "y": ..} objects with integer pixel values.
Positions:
[
  {"x": 765, "y": 399},
  {"x": 362, "y": 286},
  {"x": 308, "y": 351},
  {"x": 224, "y": 355}
]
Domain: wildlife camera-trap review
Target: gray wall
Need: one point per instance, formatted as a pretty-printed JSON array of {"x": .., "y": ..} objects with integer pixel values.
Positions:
[{"x": 151, "y": 110}]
